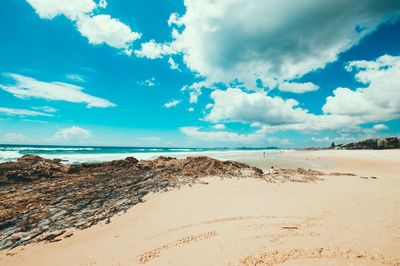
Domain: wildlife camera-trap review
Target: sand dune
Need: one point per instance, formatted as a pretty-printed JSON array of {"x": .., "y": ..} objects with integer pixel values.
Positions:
[{"x": 341, "y": 220}]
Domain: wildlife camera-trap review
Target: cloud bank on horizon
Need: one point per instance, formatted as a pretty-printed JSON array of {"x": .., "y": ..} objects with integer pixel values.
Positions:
[{"x": 217, "y": 72}]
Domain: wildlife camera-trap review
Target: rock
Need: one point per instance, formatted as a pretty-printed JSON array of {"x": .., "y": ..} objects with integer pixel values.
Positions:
[
  {"x": 41, "y": 198},
  {"x": 374, "y": 144},
  {"x": 31, "y": 167}
]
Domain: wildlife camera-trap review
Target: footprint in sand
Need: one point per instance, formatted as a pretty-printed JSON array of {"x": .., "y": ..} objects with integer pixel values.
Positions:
[
  {"x": 227, "y": 220},
  {"x": 147, "y": 256},
  {"x": 282, "y": 256},
  {"x": 285, "y": 229},
  {"x": 291, "y": 226}
]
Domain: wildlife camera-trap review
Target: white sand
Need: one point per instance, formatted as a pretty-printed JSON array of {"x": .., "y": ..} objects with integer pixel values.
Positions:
[{"x": 355, "y": 220}]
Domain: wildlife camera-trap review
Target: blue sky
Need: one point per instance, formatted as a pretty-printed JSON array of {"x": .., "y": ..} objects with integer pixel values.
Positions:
[{"x": 198, "y": 73}]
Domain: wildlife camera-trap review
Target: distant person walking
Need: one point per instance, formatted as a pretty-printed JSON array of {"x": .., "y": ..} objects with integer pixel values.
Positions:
[{"x": 264, "y": 154}]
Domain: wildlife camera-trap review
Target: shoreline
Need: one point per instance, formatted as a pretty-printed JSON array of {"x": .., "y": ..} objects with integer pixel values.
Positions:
[
  {"x": 76, "y": 158},
  {"x": 242, "y": 220}
]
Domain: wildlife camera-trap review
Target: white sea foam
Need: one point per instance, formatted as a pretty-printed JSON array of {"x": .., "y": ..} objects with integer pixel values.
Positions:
[
  {"x": 102, "y": 157},
  {"x": 45, "y": 149},
  {"x": 9, "y": 156},
  {"x": 76, "y": 157}
]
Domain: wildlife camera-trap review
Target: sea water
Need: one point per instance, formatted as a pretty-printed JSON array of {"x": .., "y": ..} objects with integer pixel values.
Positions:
[{"x": 74, "y": 154}]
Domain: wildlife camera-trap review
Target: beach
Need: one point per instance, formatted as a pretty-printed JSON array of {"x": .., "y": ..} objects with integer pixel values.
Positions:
[{"x": 349, "y": 217}]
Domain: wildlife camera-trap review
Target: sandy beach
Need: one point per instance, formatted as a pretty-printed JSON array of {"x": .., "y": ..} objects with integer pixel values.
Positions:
[
  {"x": 199, "y": 132},
  {"x": 340, "y": 220}
]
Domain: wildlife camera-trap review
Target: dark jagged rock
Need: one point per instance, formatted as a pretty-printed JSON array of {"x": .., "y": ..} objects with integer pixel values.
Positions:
[
  {"x": 374, "y": 144},
  {"x": 30, "y": 167},
  {"x": 41, "y": 198}
]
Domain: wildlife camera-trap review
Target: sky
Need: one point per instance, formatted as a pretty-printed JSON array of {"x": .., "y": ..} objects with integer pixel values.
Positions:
[{"x": 227, "y": 73}]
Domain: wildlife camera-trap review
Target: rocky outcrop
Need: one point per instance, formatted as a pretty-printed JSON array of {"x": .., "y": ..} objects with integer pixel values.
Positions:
[
  {"x": 374, "y": 144},
  {"x": 29, "y": 168},
  {"x": 41, "y": 199}
]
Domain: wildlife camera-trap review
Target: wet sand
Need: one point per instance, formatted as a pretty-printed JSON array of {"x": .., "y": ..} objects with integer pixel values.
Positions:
[{"x": 342, "y": 220}]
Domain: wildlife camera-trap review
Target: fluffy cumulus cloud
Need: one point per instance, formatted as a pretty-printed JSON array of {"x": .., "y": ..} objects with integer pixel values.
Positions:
[
  {"x": 72, "y": 133},
  {"x": 153, "y": 50},
  {"x": 174, "y": 19},
  {"x": 98, "y": 29},
  {"x": 219, "y": 126},
  {"x": 235, "y": 105},
  {"x": 273, "y": 41},
  {"x": 295, "y": 87},
  {"x": 26, "y": 87},
  {"x": 219, "y": 136},
  {"x": 269, "y": 114},
  {"x": 378, "y": 99},
  {"x": 346, "y": 109},
  {"x": 380, "y": 127},
  {"x": 73, "y": 9},
  {"x": 21, "y": 112},
  {"x": 103, "y": 29},
  {"x": 172, "y": 103},
  {"x": 195, "y": 90}
]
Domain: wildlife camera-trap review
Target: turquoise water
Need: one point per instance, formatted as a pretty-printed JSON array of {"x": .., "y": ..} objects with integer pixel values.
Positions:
[{"x": 74, "y": 154}]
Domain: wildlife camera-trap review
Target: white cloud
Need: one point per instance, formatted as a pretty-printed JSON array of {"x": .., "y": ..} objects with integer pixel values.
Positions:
[
  {"x": 172, "y": 103},
  {"x": 98, "y": 29},
  {"x": 173, "y": 64},
  {"x": 103, "y": 3},
  {"x": 26, "y": 87},
  {"x": 75, "y": 77},
  {"x": 219, "y": 136},
  {"x": 73, "y": 9},
  {"x": 195, "y": 90},
  {"x": 72, "y": 133},
  {"x": 46, "y": 109},
  {"x": 174, "y": 19},
  {"x": 321, "y": 139},
  {"x": 209, "y": 106},
  {"x": 219, "y": 126},
  {"x": 21, "y": 112},
  {"x": 153, "y": 50},
  {"x": 380, "y": 127},
  {"x": 148, "y": 82},
  {"x": 193, "y": 97},
  {"x": 297, "y": 87},
  {"x": 378, "y": 100},
  {"x": 346, "y": 110},
  {"x": 328, "y": 140},
  {"x": 272, "y": 40},
  {"x": 13, "y": 138},
  {"x": 235, "y": 105},
  {"x": 105, "y": 29},
  {"x": 34, "y": 121},
  {"x": 191, "y": 109}
]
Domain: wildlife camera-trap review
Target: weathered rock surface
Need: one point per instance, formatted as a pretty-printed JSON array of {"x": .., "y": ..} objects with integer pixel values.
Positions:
[
  {"x": 374, "y": 144},
  {"x": 42, "y": 198},
  {"x": 31, "y": 167}
]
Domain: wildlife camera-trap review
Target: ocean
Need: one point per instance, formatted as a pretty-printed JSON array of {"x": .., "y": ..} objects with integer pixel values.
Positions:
[{"x": 75, "y": 154}]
